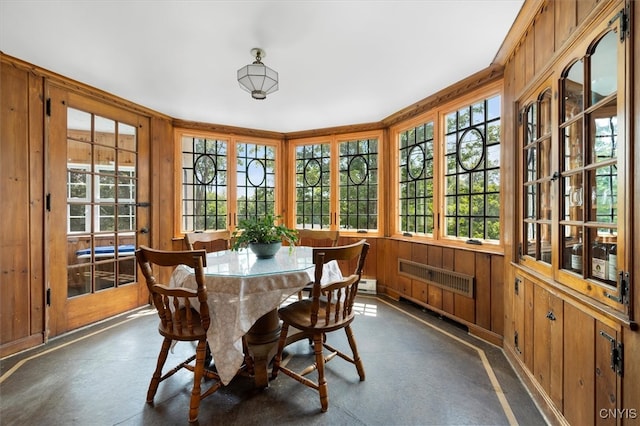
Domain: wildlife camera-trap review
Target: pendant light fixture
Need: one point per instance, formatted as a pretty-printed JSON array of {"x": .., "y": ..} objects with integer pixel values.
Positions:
[{"x": 256, "y": 78}]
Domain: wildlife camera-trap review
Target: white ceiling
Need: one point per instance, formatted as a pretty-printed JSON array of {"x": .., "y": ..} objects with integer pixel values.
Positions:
[{"x": 339, "y": 62}]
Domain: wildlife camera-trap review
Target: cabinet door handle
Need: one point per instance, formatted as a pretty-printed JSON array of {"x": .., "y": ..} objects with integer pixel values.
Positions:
[{"x": 551, "y": 316}]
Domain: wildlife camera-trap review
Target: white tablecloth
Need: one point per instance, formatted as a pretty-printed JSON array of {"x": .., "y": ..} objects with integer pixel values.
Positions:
[{"x": 237, "y": 302}]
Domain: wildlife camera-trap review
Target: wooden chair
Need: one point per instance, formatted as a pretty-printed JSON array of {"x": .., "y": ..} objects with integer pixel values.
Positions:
[
  {"x": 213, "y": 241},
  {"x": 209, "y": 240},
  {"x": 330, "y": 308},
  {"x": 179, "y": 321},
  {"x": 316, "y": 238}
]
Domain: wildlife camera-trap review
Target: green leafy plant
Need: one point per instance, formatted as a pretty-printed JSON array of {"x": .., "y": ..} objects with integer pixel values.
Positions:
[{"x": 262, "y": 231}]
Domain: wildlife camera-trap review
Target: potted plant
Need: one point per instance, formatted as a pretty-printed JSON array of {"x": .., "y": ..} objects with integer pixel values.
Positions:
[{"x": 263, "y": 236}]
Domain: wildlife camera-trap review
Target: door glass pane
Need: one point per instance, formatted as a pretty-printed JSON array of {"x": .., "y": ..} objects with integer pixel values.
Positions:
[
  {"x": 101, "y": 182},
  {"x": 604, "y": 69},
  {"x": 604, "y": 126},
  {"x": 573, "y": 88},
  {"x": 604, "y": 194},
  {"x": 573, "y": 151}
]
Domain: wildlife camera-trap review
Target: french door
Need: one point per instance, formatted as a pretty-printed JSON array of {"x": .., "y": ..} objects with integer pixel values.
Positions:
[{"x": 98, "y": 198}]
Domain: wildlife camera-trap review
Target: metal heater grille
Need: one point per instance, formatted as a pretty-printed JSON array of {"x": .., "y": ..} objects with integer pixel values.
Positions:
[{"x": 448, "y": 280}]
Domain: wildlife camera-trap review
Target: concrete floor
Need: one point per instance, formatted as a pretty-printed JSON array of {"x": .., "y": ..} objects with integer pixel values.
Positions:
[{"x": 421, "y": 370}]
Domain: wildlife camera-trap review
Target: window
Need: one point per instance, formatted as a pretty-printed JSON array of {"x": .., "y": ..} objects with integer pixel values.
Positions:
[
  {"x": 313, "y": 186},
  {"x": 226, "y": 179},
  {"x": 204, "y": 184},
  {"x": 359, "y": 184},
  {"x": 256, "y": 180},
  {"x": 472, "y": 171},
  {"x": 336, "y": 182},
  {"x": 447, "y": 179},
  {"x": 416, "y": 176}
]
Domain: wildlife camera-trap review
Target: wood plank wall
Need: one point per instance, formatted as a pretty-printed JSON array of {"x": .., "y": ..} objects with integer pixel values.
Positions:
[{"x": 21, "y": 245}]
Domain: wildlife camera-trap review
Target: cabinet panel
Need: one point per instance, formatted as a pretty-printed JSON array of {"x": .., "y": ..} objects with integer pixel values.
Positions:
[
  {"x": 579, "y": 364},
  {"x": 548, "y": 327},
  {"x": 606, "y": 380},
  {"x": 518, "y": 317}
]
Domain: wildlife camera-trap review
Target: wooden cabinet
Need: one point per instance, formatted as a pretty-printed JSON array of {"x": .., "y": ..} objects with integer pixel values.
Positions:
[
  {"x": 573, "y": 303},
  {"x": 574, "y": 357}
]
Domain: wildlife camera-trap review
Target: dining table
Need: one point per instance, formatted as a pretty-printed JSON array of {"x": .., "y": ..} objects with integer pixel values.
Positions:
[{"x": 243, "y": 294}]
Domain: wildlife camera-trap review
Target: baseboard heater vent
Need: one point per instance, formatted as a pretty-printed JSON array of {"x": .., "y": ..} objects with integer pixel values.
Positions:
[
  {"x": 367, "y": 286},
  {"x": 445, "y": 279}
]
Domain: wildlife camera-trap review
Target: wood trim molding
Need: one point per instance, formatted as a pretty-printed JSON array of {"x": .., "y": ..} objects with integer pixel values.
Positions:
[
  {"x": 456, "y": 90},
  {"x": 530, "y": 8}
]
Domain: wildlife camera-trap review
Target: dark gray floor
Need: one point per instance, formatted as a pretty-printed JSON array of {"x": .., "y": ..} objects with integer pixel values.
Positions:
[{"x": 421, "y": 370}]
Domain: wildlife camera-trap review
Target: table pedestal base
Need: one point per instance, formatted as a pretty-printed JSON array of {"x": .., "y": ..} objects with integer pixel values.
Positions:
[{"x": 262, "y": 339}]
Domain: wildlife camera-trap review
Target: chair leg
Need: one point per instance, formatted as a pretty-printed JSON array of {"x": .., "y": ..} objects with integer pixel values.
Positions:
[
  {"x": 354, "y": 350},
  {"x": 198, "y": 373},
  {"x": 278, "y": 358},
  {"x": 155, "y": 379},
  {"x": 323, "y": 388},
  {"x": 248, "y": 361}
]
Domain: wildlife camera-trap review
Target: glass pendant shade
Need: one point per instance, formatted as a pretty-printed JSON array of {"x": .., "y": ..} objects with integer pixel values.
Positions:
[{"x": 258, "y": 79}]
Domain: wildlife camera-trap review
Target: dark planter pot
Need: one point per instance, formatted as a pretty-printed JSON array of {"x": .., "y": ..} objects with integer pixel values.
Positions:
[{"x": 265, "y": 250}]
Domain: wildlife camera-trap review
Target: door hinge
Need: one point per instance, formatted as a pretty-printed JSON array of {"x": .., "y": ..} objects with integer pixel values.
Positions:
[
  {"x": 48, "y": 297},
  {"x": 519, "y": 250},
  {"x": 623, "y": 15},
  {"x": 617, "y": 354},
  {"x": 48, "y": 107},
  {"x": 515, "y": 342},
  {"x": 623, "y": 289},
  {"x": 516, "y": 286},
  {"x": 47, "y": 202}
]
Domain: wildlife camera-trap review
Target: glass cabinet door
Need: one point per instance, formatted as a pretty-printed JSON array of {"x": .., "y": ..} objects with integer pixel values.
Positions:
[
  {"x": 589, "y": 165},
  {"x": 572, "y": 149},
  {"x": 538, "y": 177}
]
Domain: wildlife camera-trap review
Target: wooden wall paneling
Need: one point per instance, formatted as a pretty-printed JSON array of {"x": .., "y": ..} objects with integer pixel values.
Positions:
[
  {"x": 544, "y": 36},
  {"x": 371, "y": 265},
  {"x": 482, "y": 291},
  {"x": 518, "y": 66},
  {"x": 517, "y": 339},
  {"x": 579, "y": 364},
  {"x": 556, "y": 350},
  {"x": 631, "y": 338},
  {"x": 14, "y": 191},
  {"x": 36, "y": 205},
  {"x": 566, "y": 16},
  {"x": 583, "y": 8},
  {"x": 497, "y": 295},
  {"x": 465, "y": 307},
  {"x": 388, "y": 265},
  {"x": 420, "y": 289},
  {"x": 448, "y": 262},
  {"x": 56, "y": 186},
  {"x": 606, "y": 380},
  {"x": 163, "y": 162},
  {"x": 530, "y": 58},
  {"x": 528, "y": 323},
  {"x": 434, "y": 258},
  {"x": 403, "y": 284},
  {"x": 631, "y": 382}
]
